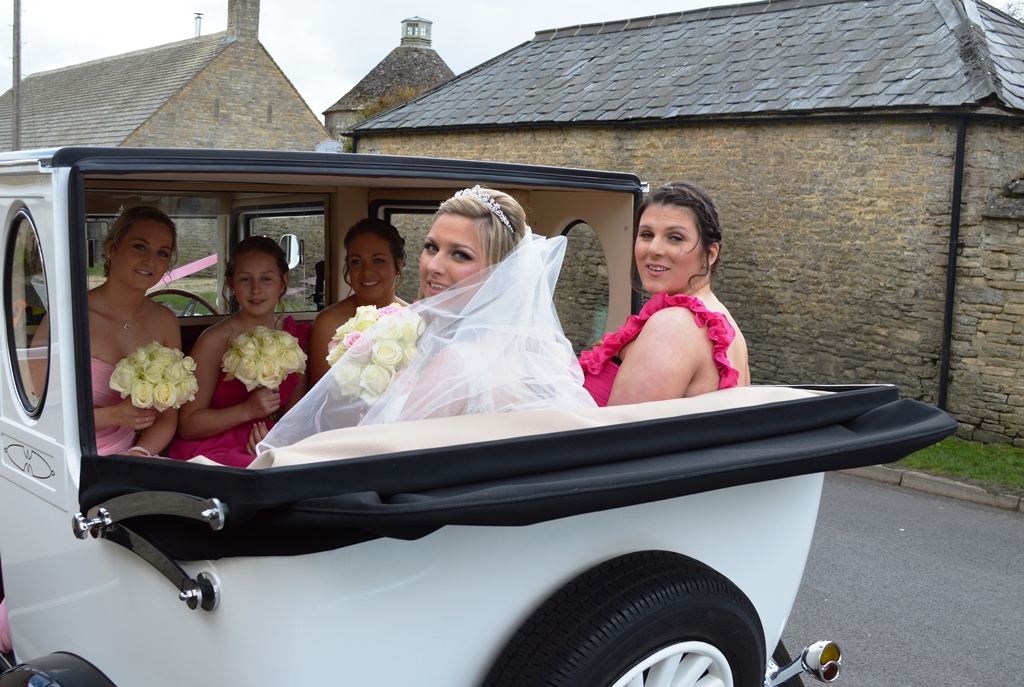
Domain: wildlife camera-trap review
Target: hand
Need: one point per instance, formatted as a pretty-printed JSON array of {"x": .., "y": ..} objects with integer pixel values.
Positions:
[
  {"x": 262, "y": 402},
  {"x": 257, "y": 434},
  {"x": 135, "y": 419}
]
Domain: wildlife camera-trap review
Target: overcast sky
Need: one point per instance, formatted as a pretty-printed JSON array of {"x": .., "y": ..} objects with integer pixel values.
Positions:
[{"x": 324, "y": 46}]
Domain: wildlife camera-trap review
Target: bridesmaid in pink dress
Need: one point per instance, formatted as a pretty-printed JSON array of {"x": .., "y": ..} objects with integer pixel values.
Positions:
[
  {"x": 225, "y": 421},
  {"x": 136, "y": 254},
  {"x": 683, "y": 342}
]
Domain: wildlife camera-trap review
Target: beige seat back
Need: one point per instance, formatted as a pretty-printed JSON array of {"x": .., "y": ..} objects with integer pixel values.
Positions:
[{"x": 375, "y": 440}]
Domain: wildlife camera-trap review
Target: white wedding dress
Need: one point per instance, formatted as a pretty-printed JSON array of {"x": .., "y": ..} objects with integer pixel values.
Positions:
[{"x": 491, "y": 344}]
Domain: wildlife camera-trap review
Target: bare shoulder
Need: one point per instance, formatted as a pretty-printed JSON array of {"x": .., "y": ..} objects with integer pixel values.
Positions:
[
  {"x": 164, "y": 321},
  {"x": 215, "y": 339},
  {"x": 336, "y": 315},
  {"x": 670, "y": 322}
]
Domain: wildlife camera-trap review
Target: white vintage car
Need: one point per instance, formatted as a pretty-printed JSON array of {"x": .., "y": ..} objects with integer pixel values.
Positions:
[{"x": 653, "y": 544}]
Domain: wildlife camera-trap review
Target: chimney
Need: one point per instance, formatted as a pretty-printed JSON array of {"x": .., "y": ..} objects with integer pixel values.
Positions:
[
  {"x": 199, "y": 24},
  {"x": 244, "y": 20},
  {"x": 416, "y": 32}
]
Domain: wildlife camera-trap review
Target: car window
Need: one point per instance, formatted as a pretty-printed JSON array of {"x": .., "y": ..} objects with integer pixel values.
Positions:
[
  {"x": 27, "y": 302},
  {"x": 208, "y": 224}
]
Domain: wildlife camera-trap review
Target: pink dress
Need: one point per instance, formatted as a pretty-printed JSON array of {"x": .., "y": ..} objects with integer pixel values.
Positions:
[
  {"x": 229, "y": 448},
  {"x": 600, "y": 364},
  {"x": 112, "y": 439}
]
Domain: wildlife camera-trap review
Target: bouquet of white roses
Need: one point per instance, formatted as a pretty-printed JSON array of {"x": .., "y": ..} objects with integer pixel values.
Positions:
[
  {"x": 263, "y": 357},
  {"x": 379, "y": 343},
  {"x": 156, "y": 377}
]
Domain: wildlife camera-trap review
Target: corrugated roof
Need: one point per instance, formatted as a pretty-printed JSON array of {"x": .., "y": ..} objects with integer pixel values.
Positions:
[
  {"x": 777, "y": 57},
  {"x": 102, "y": 102}
]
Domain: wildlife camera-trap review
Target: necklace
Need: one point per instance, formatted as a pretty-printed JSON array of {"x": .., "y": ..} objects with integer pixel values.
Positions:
[{"x": 117, "y": 317}]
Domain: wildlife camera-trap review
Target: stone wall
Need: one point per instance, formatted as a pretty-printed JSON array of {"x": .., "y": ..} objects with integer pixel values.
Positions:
[
  {"x": 835, "y": 243},
  {"x": 241, "y": 100},
  {"x": 986, "y": 392}
]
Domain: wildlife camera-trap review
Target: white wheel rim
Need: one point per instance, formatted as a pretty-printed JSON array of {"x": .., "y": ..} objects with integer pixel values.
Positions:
[{"x": 687, "y": 664}]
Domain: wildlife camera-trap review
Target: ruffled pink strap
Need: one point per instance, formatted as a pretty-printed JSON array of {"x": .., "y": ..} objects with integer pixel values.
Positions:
[
  {"x": 720, "y": 332},
  {"x": 300, "y": 330}
]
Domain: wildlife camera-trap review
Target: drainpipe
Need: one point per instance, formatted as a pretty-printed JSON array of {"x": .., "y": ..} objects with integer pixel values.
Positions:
[{"x": 954, "y": 241}]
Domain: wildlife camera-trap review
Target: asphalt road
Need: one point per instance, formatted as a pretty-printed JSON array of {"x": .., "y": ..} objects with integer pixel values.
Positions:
[{"x": 916, "y": 589}]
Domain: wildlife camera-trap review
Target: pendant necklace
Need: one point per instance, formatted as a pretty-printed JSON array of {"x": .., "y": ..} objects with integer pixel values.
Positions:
[{"x": 110, "y": 307}]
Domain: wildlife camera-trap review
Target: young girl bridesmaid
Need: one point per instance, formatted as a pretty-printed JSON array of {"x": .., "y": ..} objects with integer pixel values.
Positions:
[{"x": 225, "y": 421}]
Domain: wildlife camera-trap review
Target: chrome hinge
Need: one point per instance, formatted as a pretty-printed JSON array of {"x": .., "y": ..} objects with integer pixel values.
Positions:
[{"x": 107, "y": 520}]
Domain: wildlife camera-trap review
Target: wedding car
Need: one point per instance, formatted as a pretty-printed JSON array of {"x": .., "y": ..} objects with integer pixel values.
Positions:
[{"x": 660, "y": 543}]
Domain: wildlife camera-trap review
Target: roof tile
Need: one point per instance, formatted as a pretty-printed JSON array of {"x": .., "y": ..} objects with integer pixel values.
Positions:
[{"x": 779, "y": 56}]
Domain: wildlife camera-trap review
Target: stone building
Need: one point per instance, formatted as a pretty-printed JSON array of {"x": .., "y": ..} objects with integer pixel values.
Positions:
[
  {"x": 408, "y": 70},
  {"x": 867, "y": 159},
  {"x": 223, "y": 90}
]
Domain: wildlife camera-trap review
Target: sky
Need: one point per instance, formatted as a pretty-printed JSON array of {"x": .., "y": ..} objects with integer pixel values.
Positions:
[{"x": 324, "y": 46}]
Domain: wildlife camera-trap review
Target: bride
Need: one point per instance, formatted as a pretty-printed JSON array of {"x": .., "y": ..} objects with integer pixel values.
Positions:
[{"x": 491, "y": 340}]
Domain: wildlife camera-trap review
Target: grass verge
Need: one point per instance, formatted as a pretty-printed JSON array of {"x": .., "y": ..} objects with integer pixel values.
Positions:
[{"x": 997, "y": 467}]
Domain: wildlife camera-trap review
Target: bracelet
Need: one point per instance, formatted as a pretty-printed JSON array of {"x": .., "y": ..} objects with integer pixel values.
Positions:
[{"x": 139, "y": 449}]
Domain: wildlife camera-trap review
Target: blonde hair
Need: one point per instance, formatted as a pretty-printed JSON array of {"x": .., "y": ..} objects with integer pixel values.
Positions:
[
  {"x": 496, "y": 238},
  {"x": 123, "y": 223}
]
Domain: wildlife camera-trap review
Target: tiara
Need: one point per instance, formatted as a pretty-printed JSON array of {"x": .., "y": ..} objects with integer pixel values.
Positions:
[{"x": 491, "y": 204}]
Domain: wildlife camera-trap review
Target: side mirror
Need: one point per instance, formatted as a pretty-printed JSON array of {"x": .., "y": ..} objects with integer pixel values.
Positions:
[{"x": 292, "y": 247}]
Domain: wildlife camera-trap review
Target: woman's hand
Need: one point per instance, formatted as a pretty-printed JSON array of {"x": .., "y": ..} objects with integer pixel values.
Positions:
[
  {"x": 263, "y": 401},
  {"x": 126, "y": 415},
  {"x": 257, "y": 434}
]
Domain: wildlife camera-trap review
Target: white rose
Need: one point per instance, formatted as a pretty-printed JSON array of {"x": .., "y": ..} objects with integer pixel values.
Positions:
[
  {"x": 175, "y": 372},
  {"x": 230, "y": 362},
  {"x": 335, "y": 349},
  {"x": 246, "y": 346},
  {"x": 373, "y": 382},
  {"x": 389, "y": 328},
  {"x": 364, "y": 318},
  {"x": 165, "y": 395},
  {"x": 269, "y": 372},
  {"x": 153, "y": 372},
  {"x": 408, "y": 351},
  {"x": 142, "y": 394},
  {"x": 248, "y": 373},
  {"x": 292, "y": 359},
  {"x": 122, "y": 379},
  {"x": 271, "y": 347},
  {"x": 388, "y": 353},
  {"x": 187, "y": 389},
  {"x": 347, "y": 375},
  {"x": 165, "y": 356}
]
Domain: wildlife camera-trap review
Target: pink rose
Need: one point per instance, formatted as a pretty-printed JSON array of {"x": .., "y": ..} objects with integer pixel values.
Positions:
[
  {"x": 358, "y": 346},
  {"x": 393, "y": 310}
]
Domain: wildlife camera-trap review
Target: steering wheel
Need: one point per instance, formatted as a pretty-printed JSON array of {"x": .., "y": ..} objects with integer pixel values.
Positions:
[{"x": 192, "y": 305}]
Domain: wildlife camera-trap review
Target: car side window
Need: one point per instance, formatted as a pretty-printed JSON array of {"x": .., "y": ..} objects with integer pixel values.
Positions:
[{"x": 27, "y": 302}]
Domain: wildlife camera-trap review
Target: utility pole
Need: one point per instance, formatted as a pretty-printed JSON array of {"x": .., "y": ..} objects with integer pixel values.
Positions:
[{"x": 16, "y": 82}]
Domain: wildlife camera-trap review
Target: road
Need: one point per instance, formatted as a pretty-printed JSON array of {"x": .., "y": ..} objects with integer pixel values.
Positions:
[{"x": 916, "y": 589}]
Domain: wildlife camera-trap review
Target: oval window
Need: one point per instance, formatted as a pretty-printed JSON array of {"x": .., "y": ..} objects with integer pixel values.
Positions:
[{"x": 26, "y": 300}]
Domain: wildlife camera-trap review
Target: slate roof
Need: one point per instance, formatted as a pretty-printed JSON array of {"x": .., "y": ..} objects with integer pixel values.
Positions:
[
  {"x": 405, "y": 66},
  {"x": 104, "y": 101},
  {"x": 775, "y": 57}
]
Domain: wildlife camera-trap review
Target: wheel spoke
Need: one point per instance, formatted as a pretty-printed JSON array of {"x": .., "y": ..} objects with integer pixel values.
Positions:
[
  {"x": 709, "y": 681},
  {"x": 690, "y": 669},
  {"x": 661, "y": 673}
]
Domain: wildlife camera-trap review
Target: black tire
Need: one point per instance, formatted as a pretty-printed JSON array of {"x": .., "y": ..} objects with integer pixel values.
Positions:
[
  {"x": 782, "y": 659},
  {"x": 607, "y": 621}
]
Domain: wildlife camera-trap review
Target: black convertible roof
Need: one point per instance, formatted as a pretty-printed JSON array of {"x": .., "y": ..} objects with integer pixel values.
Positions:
[{"x": 518, "y": 481}]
